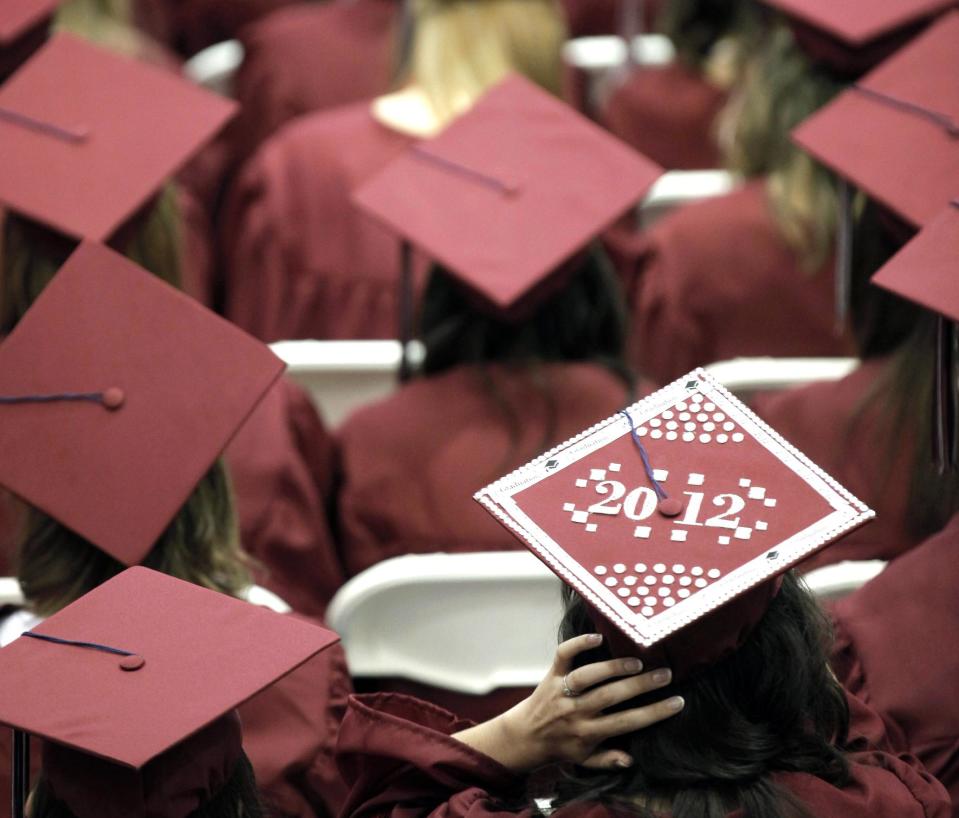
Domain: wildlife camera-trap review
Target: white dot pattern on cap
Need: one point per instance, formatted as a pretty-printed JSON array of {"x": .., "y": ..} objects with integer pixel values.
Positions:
[{"x": 619, "y": 568}]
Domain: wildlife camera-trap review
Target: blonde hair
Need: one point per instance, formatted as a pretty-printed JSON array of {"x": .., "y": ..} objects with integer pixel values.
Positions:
[
  {"x": 780, "y": 88},
  {"x": 56, "y": 566},
  {"x": 460, "y": 48}
]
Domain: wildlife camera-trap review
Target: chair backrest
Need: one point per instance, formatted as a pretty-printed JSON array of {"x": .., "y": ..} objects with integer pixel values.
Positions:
[
  {"x": 598, "y": 55},
  {"x": 836, "y": 581},
  {"x": 746, "y": 376},
  {"x": 596, "y": 65},
  {"x": 10, "y": 593},
  {"x": 470, "y": 623},
  {"x": 215, "y": 66},
  {"x": 676, "y": 188},
  {"x": 344, "y": 375}
]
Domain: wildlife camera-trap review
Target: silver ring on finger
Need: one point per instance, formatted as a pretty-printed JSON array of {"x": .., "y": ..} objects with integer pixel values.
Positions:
[{"x": 567, "y": 690}]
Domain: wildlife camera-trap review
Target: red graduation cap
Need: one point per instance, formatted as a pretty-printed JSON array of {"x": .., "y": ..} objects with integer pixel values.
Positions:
[
  {"x": 24, "y": 25},
  {"x": 851, "y": 36},
  {"x": 159, "y": 386},
  {"x": 509, "y": 191},
  {"x": 159, "y": 664},
  {"x": 88, "y": 136},
  {"x": 924, "y": 271},
  {"x": 895, "y": 134},
  {"x": 17, "y": 17},
  {"x": 683, "y": 584}
]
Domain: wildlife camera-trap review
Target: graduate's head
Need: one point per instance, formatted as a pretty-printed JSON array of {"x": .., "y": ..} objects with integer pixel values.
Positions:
[
  {"x": 674, "y": 525},
  {"x": 133, "y": 689},
  {"x": 771, "y": 705},
  {"x": 455, "y": 50},
  {"x": 118, "y": 395},
  {"x": 56, "y": 566},
  {"x": 85, "y": 159},
  {"x": 31, "y": 253},
  {"x": 812, "y": 51},
  {"x": 508, "y": 204},
  {"x": 583, "y": 318},
  {"x": 907, "y": 229}
]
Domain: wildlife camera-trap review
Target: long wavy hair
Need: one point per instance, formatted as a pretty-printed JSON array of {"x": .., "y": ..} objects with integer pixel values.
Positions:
[
  {"x": 56, "y": 566},
  {"x": 771, "y": 707},
  {"x": 781, "y": 87}
]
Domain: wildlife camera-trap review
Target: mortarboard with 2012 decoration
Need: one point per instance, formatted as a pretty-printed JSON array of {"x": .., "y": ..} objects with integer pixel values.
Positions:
[{"x": 674, "y": 518}]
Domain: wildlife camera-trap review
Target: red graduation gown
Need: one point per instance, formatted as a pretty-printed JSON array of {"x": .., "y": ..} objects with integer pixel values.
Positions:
[
  {"x": 398, "y": 757},
  {"x": 289, "y": 734},
  {"x": 836, "y": 425},
  {"x": 715, "y": 280},
  {"x": 310, "y": 57},
  {"x": 411, "y": 463},
  {"x": 667, "y": 113},
  {"x": 299, "y": 260},
  {"x": 896, "y": 649},
  {"x": 281, "y": 464}
]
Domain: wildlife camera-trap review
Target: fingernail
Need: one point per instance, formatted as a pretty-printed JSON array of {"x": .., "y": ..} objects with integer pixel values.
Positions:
[
  {"x": 632, "y": 665},
  {"x": 662, "y": 677},
  {"x": 676, "y": 703},
  {"x": 624, "y": 762},
  {"x": 594, "y": 638}
]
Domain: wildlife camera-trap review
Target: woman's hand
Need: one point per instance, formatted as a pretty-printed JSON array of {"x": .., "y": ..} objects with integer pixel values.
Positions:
[{"x": 555, "y": 725}]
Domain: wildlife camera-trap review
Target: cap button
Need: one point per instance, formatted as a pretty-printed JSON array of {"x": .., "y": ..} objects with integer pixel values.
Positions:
[
  {"x": 670, "y": 507},
  {"x": 133, "y": 662},
  {"x": 113, "y": 398}
]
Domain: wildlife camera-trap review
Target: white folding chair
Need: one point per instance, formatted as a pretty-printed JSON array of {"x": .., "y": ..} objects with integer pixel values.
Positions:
[
  {"x": 746, "y": 376},
  {"x": 215, "y": 66},
  {"x": 836, "y": 581},
  {"x": 344, "y": 375},
  {"x": 676, "y": 188},
  {"x": 257, "y": 595},
  {"x": 10, "y": 593},
  {"x": 604, "y": 61},
  {"x": 598, "y": 55},
  {"x": 469, "y": 623}
]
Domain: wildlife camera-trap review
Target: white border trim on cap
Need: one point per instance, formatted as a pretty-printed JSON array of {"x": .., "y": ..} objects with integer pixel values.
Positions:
[{"x": 848, "y": 512}]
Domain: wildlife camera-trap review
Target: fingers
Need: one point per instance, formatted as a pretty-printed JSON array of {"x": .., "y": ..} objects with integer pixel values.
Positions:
[
  {"x": 622, "y": 690},
  {"x": 618, "y": 724},
  {"x": 582, "y": 679},
  {"x": 571, "y": 648},
  {"x": 608, "y": 760}
]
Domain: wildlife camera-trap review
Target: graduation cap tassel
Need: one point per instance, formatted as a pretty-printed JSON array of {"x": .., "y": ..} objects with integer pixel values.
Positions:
[
  {"x": 844, "y": 241},
  {"x": 945, "y": 438},
  {"x": 406, "y": 310},
  {"x": 20, "y": 773}
]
